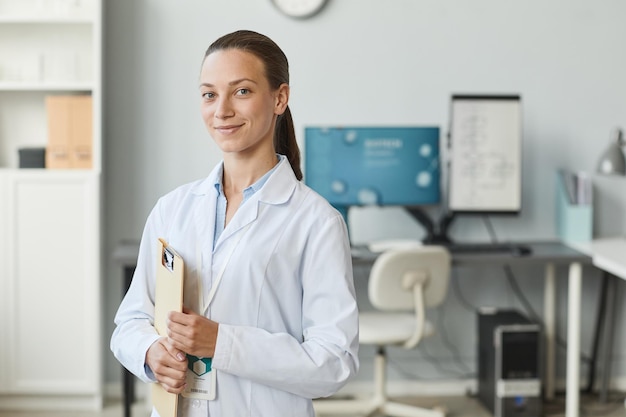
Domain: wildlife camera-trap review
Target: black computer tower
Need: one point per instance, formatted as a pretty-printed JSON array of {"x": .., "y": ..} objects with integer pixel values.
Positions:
[{"x": 509, "y": 370}]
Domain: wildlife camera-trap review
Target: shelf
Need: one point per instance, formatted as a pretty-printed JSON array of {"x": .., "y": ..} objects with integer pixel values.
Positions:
[
  {"x": 36, "y": 20},
  {"x": 47, "y": 173},
  {"x": 45, "y": 87}
]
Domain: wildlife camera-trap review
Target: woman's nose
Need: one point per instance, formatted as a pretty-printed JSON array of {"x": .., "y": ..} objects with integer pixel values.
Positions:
[{"x": 223, "y": 109}]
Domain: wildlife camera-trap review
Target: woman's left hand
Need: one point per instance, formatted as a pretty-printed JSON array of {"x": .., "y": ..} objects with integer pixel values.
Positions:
[{"x": 192, "y": 333}]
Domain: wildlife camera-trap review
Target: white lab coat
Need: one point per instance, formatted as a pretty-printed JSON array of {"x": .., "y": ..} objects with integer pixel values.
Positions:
[{"x": 286, "y": 304}]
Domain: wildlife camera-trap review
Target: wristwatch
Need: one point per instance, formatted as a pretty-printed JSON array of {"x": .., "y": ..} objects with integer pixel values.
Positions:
[{"x": 299, "y": 9}]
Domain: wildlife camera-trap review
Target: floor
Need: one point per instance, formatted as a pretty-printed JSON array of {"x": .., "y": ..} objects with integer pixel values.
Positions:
[{"x": 456, "y": 407}]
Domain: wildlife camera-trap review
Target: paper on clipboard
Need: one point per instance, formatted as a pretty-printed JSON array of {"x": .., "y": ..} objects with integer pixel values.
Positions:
[{"x": 168, "y": 297}]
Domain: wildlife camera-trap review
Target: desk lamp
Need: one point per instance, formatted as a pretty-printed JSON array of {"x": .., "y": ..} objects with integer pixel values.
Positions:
[{"x": 613, "y": 161}]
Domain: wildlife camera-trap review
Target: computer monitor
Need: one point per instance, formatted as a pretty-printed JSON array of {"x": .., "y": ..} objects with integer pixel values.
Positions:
[
  {"x": 381, "y": 166},
  {"x": 485, "y": 154}
]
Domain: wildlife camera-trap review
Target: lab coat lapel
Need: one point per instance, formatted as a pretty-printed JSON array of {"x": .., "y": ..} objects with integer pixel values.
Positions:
[
  {"x": 202, "y": 249},
  {"x": 245, "y": 215},
  {"x": 206, "y": 224},
  {"x": 277, "y": 190}
]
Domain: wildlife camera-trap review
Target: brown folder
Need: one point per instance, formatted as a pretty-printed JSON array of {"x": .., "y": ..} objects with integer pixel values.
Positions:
[
  {"x": 168, "y": 297},
  {"x": 70, "y": 136}
]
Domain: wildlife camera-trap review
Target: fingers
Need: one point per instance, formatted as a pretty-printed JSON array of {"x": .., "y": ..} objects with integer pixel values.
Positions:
[
  {"x": 168, "y": 364},
  {"x": 201, "y": 344},
  {"x": 192, "y": 333},
  {"x": 178, "y": 332},
  {"x": 174, "y": 352},
  {"x": 184, "y": 328},
  {"x": 173, "y": 390},
  {"x": 186, "y": 318}
]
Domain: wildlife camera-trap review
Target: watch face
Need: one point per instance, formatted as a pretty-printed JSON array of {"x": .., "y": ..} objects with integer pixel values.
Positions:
[{"x": 300, "y": 8}]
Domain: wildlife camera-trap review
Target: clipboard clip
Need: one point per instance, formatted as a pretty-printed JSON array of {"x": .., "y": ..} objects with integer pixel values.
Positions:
[
  {"x": 167, "y": 256},
  {"x": 168, "y": 259}
]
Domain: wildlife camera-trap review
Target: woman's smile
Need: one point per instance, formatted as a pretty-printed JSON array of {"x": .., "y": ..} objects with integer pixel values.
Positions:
[{"x": 228, "y": 129}]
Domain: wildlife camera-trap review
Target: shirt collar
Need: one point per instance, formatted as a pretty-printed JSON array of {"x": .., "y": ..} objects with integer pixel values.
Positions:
[{"x": 250, "y": 190}]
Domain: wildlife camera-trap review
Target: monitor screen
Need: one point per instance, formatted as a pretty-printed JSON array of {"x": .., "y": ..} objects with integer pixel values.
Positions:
[
  {"x": 361, "y": 166},
  {"x": 485, "y": 154}
]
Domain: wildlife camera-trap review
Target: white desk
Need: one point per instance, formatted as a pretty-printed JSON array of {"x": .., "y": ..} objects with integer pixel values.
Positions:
[
  {"x": 609, "y": 255},
  {"x": 551, "y": 254}
]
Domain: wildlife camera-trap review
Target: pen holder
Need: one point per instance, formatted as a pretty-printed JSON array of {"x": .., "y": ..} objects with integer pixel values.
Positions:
[{"x": 574, "y": 221}]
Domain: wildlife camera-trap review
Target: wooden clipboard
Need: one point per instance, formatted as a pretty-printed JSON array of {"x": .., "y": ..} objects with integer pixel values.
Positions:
[{"x": 168, "y": 297}]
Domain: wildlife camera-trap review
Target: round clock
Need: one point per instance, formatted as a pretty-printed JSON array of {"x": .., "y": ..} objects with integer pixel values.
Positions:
[{"x": 300, "y": 9}]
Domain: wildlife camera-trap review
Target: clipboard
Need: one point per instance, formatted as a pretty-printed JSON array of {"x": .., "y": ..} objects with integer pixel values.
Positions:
[{"x": 168, "y": 297}]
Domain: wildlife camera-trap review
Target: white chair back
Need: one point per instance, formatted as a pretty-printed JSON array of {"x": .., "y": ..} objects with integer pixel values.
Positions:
[{"x": 388, "y": 278}]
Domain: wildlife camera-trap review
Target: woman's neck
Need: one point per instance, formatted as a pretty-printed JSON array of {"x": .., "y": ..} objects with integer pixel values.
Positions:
[{"x": 240, "y": 173}]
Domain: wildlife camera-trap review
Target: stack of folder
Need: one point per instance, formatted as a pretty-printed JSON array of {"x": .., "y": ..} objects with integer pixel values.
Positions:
[{"x": 574, "y": 206}]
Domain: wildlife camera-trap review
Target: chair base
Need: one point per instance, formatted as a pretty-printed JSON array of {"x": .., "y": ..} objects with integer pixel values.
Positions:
[
  {"x": 371, "y": 408},
  {"x": 379, "y": 403}
]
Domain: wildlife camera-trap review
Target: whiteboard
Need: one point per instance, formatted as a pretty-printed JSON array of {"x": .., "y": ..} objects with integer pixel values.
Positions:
[{"x": 485, "y": 154}]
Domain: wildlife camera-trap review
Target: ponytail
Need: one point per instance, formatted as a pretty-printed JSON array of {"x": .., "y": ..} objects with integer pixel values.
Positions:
[{"x": 285, "y": 141}]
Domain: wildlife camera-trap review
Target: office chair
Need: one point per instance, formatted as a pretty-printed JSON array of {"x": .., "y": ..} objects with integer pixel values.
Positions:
[{"x": 402, "y": 284}]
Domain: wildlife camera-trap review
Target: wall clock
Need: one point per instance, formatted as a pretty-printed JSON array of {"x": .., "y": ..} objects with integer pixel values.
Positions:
[{"x": 299, "y": 9}]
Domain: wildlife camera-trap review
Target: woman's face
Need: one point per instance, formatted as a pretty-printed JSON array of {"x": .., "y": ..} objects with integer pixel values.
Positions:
[{"x": 238, "y": 106}]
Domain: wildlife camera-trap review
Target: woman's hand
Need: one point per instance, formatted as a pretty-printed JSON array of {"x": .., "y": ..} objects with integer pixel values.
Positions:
[
  {"x": 192, "y": 333},
  {"x": 168, "y": 364}
]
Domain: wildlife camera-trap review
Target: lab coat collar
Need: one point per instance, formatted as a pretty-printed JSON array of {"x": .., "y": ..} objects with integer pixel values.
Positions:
[
  {"x": 207, "y": 186},
  {"x": 280, "y": 185},
  {"x": 283, "y": 180},
  {"x": 277, "y": 190}
]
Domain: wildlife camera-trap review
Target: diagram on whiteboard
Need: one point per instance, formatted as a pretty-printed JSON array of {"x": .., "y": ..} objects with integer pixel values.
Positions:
[{"x": 485, "y": 155}]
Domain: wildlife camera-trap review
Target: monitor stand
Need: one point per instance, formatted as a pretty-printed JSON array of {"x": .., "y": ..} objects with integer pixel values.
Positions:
[{"x": 436, "y": 233}]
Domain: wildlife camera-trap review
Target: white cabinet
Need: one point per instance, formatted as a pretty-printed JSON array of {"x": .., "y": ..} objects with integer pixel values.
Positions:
[
  {"x": 50, "y": 270},
  {"x": 51, "y": 307}
]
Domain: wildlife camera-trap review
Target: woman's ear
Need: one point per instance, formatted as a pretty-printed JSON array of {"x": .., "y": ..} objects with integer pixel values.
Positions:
[{"x": 282, "y": 99}]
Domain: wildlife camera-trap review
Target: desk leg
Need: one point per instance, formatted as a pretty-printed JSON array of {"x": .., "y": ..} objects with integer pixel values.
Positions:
[
  {"x": 572, "y": 393},
  {"x": 549, "y": 308},
  {"x": 129, "y": 392},
  {"x": 128, "y": 378},
  {"x": 611, "y": 303}
]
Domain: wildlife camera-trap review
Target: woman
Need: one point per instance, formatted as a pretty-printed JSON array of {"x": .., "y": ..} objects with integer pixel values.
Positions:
[{"x": 269, "y": 294}]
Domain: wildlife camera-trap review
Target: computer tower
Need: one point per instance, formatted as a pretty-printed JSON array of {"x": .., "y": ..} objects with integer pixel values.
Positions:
[{"x": 509, "y": 370}]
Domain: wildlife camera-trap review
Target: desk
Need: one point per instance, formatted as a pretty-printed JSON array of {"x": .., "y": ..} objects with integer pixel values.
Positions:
[
  {"x": 549, "y": 254},
  {"x": 609, "y": 255}
]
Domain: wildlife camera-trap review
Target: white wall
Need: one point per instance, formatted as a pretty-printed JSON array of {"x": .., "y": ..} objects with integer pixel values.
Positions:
[{"x": 377, "y": 63}]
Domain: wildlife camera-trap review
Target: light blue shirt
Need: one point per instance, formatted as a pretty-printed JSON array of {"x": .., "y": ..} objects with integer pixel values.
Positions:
[{"x": 220, "y": 212}]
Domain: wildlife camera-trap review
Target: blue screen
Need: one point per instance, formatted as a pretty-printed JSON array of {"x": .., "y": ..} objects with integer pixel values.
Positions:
[{"x": 361, "y": 166}]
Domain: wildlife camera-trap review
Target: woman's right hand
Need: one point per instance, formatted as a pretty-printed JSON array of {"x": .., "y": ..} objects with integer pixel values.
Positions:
[{"x": 168, "y": 364}]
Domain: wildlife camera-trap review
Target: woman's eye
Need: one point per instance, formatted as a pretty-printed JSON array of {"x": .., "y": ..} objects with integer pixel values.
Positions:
[
  {"x": 208, "y": 95},
  {"x": 243, "y": 92}
]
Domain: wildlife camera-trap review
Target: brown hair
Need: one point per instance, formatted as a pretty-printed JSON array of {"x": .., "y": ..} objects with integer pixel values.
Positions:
[{"x": 277, "y": 73}]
